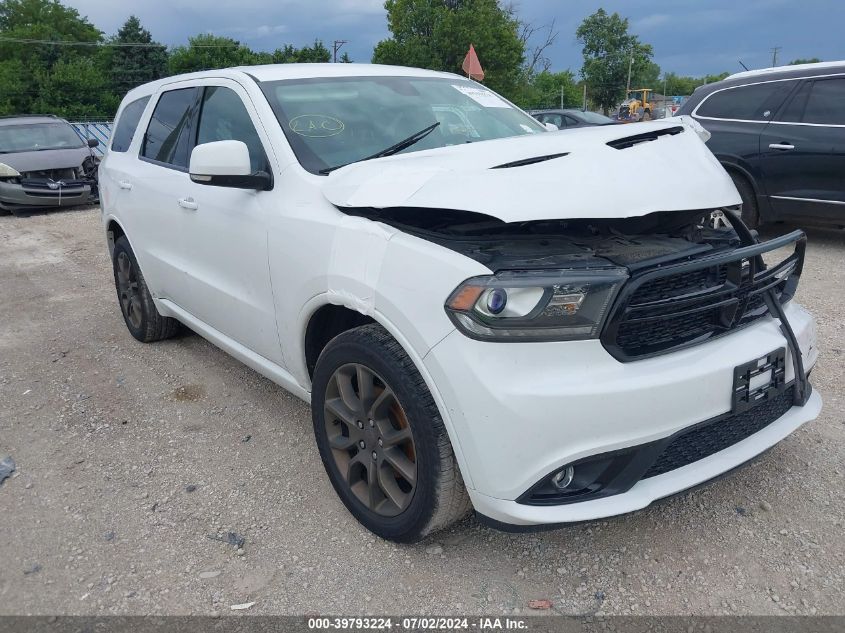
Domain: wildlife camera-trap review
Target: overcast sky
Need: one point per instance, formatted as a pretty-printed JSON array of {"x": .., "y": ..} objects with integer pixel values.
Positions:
[{"x": 689, "y": 36}]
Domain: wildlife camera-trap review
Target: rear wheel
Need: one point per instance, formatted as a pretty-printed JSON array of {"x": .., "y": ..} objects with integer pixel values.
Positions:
[
  {"x": 381, "y": 438},
  {"x": 136, "y": 303},
  {"x": 750, "y": 212}
]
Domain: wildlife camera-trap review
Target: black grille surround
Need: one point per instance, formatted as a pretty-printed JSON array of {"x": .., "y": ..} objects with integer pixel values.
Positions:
[
  {"x": 710, "y": 437},
  {"x": 678, "y": 305}
]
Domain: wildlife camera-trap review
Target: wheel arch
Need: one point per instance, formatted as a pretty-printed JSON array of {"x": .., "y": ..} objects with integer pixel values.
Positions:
[
  {"x": 114, "y": 231},
  {"x": 331, "y": 303}
]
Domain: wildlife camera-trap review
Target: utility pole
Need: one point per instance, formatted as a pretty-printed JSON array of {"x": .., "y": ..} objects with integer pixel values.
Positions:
[
  {"x": 775, "y": 55},
  {"x": 338, "y": 44},
  {"x": 630, "y": 66},
  {"x": 585, "y": 96},
  {"x": 561, "y": 96}
]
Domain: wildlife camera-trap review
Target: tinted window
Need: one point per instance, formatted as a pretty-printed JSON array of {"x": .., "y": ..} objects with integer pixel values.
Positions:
[
  {"x": 224, "y": 118},
  {"x": 126, "y": 125},
  {"x": 168, "y": 135},
  {"x": 571, "y": 120},
  {"x": 794, "y": 110},
  {"x": 757, "y": 102},
  {"x": 826, "y": 102},
  {"x": 554, "y": 119}
]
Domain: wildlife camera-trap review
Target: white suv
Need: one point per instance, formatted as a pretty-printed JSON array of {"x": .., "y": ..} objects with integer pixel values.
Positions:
[{"x": 483, "y": 314}]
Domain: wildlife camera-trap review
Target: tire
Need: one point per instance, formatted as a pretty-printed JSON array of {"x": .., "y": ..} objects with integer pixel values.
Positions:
[
  {"x": 136, "y": 304},
  {"x": 361, "y": 469},
  {"x": 749, "y": 209}
]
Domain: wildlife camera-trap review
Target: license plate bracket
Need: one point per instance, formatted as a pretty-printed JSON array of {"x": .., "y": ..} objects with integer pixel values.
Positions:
[{"x": 751, "y": 384}]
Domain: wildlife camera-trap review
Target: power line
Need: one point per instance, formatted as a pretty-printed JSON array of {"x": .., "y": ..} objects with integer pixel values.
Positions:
[{"x": 16, "y": 40}]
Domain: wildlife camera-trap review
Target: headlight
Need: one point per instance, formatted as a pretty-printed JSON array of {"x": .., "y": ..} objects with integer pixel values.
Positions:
[
  {"x": 542, "y": 305},
  {"x": 8, "y": 172}
]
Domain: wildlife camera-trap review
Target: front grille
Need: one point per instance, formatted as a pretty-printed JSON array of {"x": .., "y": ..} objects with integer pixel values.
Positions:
[
  {"x": 713, "y": 436},
  {"x": 41, "y": 187},
  {"x": 683, "y": 304}
]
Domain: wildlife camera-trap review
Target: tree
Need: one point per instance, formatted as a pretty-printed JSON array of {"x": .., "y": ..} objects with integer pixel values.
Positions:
[
  {"x": 680, "y": 85},
  {"x": 25, "y": 66},
  {"x": 207, "y": 51},
  {"x": 307, "y": 54},
  {"x": 608, "y": 49},
  {"x": 437, "y": 34},
  {"x": 545, "y": 89},
  {"x": 76, "y": 89},
  {"x": 131, "y": 66},
  {"x": 810, "y": 60}
]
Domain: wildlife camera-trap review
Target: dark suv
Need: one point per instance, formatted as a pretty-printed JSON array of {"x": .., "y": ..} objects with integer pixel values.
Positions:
[{"x": 780, "y": 134}]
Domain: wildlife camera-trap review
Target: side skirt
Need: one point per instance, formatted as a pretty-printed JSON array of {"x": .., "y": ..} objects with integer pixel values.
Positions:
[{"x": 265, "y": 367}]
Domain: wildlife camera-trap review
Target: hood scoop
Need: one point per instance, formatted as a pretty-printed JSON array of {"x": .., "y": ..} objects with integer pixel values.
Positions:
[
  {"x": 652, "y": 135},
  {"x": 530, "y": 161}
]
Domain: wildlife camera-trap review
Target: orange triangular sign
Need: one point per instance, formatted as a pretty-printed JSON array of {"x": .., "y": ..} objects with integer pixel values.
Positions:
[{"x": 471, "y": 65}]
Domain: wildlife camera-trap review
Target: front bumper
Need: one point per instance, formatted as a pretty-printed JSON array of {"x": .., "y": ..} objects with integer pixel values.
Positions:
[
  {"x": 520, "y": 411},
  {"x": 16, "y": 196}
]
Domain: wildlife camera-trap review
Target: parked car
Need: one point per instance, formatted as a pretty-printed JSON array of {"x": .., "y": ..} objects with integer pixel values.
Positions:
[
  {"x": 44, "y": 163},
  {"x": 466, "y": 335},
  {"x": 569, "y": 118},
  {"x": 780, "y": 134}
]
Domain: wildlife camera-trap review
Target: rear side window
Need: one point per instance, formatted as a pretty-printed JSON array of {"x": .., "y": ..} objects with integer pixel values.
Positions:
[
  {"x": 826, "y": 102},
  {"x": 124, "y": 131},
  {"x": 224, "y": 118},
  {"x": 554, "y": 119},
  {"x": 168, "y": 138},
  {"x": 757, "y": 102}
]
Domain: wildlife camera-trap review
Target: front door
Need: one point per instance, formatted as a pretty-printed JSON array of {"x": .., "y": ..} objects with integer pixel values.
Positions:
[
  {"x": 802, "y": 153},
  {"x": 228, "y": 285}
]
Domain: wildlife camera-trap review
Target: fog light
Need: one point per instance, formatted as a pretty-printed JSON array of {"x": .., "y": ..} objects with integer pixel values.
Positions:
[{"x": 562, "y": 478}]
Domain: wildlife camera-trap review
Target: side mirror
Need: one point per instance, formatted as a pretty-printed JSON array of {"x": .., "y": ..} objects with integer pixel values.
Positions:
[
  {"x": 551, "y": 127},
  {"x": 92, "y": 143},
  {"x": 226, "y": 164}
]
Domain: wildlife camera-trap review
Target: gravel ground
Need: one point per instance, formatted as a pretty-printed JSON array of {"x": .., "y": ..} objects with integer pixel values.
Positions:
[{"x": 130, "y": 457}]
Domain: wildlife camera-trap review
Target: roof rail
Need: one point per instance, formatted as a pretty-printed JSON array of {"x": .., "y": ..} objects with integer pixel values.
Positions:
[{"x": 788, "y": 68}]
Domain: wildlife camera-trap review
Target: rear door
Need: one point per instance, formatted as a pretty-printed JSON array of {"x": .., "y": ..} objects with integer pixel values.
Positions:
[
  {"x": 158, "y": 173},
  {"x": 802, "y": 153}
]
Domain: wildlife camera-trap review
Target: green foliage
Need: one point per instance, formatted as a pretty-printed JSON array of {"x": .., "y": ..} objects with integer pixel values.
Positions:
[
  {"x": 608, "y": 48},
  {"x": 809, "y": 60},
  {"x": 317, "y": 54},
  {"x": 680, "y": 85},
  {"x": 437, "y": 34},
  {"x": 544, "y": 90},
  {"x": 208, "y": 52},
  {"x": 75, "y": 89},
  {"x": 129, "y": 66},
  {"x": 24, "y": 69}
]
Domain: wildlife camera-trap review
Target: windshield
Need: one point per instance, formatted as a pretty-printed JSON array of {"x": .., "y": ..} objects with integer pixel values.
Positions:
[
  {"x": 594, "y": 117},
  {"x": 339, "y": 120},
  {"x": 35, "y": 137}
]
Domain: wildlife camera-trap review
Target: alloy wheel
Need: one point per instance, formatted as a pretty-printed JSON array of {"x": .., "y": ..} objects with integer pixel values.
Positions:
[
  {"x": 128, "y": 290},
  {"x": 371, "y": 439}
]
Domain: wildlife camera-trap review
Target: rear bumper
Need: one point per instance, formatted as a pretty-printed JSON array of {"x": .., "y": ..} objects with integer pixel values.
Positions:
[
  {"x": 520, "y": 411},
  {"x": 14, "y": 196}
]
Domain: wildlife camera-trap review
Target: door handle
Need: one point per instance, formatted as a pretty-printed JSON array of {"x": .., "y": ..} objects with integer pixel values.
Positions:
[
  {"x": 781, "y": 146},
  {"x": 188, "y": 203},
  {"x": 125, "y": 184}
]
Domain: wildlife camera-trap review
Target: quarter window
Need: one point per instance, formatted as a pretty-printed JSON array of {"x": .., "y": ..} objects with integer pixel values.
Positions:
[
  {"x": 124, "y": 131},
  {"x": 826, "y": 101},
  {"x": 224, "y": 118},
  {"x": 757, "y": 102},
  {"x": 168, "y": 135}
]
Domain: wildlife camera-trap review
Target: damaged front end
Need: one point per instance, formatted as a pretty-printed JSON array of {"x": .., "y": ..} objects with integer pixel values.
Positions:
[{"x": 643, "y": 286}]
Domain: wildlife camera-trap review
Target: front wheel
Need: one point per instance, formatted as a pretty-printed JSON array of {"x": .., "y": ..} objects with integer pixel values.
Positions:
[{"x": 381, "y": 438}]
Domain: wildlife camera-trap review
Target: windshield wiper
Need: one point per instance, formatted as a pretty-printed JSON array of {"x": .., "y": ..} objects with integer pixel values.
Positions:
[{"x": 390, "y": 151}]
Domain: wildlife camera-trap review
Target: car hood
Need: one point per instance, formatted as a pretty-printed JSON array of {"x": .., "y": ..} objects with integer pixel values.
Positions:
[
  {"x": 598, "y": 173},
  {"x": 45, "y": 159}
]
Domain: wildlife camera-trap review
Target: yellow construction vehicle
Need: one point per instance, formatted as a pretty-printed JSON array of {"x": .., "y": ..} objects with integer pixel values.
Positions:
[{"x": 636, "y": 106}]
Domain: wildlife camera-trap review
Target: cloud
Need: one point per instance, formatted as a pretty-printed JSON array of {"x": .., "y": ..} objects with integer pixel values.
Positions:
[{"x": 651, "y": 21}]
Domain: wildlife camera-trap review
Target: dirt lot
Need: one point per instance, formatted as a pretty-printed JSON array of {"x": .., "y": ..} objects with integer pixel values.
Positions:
[{"x": 130, "y": 456}]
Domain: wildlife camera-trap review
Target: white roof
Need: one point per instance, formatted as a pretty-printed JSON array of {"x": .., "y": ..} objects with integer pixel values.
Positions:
[
  {"x": 274, "y": 72},
  {"x": 781, "y": 69}
]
